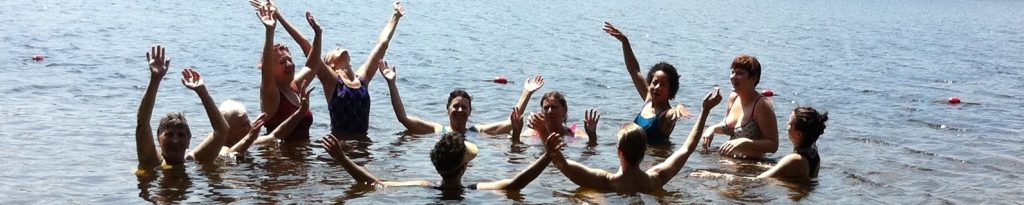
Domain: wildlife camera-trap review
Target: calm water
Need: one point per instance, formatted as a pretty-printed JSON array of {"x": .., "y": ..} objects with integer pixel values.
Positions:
[{"x": 881, "y": 68}]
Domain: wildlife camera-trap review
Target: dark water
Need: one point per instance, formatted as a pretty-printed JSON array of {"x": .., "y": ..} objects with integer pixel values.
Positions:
[{"x": 881, "y": 68}]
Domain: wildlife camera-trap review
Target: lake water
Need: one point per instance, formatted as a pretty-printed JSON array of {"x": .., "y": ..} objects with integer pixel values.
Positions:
[{"x": 883, "y": 70}]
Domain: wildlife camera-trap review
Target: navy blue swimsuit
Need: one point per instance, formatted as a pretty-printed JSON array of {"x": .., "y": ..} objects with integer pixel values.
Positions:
[{"x": 350, "y": 109}]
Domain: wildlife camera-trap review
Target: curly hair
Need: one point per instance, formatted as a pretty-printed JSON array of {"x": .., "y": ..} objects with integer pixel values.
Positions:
[
  {"x": 673, "y": 77},
  {"x": 457, "y": 93},
  {"x": 447, "y": 153}
]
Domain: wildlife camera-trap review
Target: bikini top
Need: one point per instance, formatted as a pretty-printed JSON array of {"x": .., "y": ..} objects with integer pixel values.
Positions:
[{"x": 748, "y": 130}]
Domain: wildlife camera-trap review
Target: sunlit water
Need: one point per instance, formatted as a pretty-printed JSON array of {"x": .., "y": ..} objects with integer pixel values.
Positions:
[{"x": 881, "y": 68}]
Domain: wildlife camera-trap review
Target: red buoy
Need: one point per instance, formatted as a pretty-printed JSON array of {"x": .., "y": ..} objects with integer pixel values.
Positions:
[
  {"x": 38, "y": 57},
  {"x": 501, "y": 80},
  {"x": 768, "y": 93},
  {"x": 954, "y": 100}
]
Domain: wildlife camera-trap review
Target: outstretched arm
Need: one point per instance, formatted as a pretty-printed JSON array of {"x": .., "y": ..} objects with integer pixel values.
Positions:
[
  {"x": 254, "y": 133},
  {"x": 577, "y": 173},
  {"x": 158, "y": 63},
  {"x": 269, "y": 97},
  {"x": 413, "y": 124},
  {"x": 296, "y": 35},
  {"x": 717, "y": 128},
  {"x": 504, "y": 126},
  {"x": 632, "y": 66},
  {"x": 367, "y": 69},
  {"x": 520, "y": 180},
  {"x": 210, "y": 147},
  {"x": 333, "y": 147},
  {"x": 328, "y": 78},
  {"x": 667, "y": 170}
]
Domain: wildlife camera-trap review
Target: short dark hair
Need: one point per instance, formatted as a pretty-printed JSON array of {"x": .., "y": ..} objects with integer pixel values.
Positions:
[
  {"x": 748, "y": 63},
  {"x": 457, "y": 93},
  {"x": 670, "y": 71},
  {"x": 173, "y": 120},
  {"x": 632, "y": 143},
  {"x": 810, "y": 123},
  {"x": 447, "y": 153}
]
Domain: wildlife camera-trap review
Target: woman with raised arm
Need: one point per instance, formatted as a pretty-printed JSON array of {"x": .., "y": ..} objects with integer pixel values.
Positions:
[
  {"x": 632, "y": 145},
  {"x": 345, "y": 90},
  {"x": 750, "y": 117},
  {"x": 553, "y": 115},
  {"x": 805, "y": 126},
  {"x": 279, "y": 92},
  {"x": 657, "y": 118},
  {"x": 173, "y": 132},
  {"x": 459, "y": 106}
]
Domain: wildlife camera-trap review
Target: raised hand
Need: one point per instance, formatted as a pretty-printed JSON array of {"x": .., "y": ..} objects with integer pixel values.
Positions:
[
  {"x": 517, "y": 119},
  {"x": 257, "y": 124},
  {"x": 399, "y": 9},
  {"x": 312, "y": 23},
  {"x": 590, "y": 119},
  {"x": 712, "y": 99},
  {"x": 553, "y": 145},
  {"x": 266, "y": 14},
  {"x": 333, "y": 146},
  {"x": 387, "y": 72},
  {"x": 539, "y": 123},
  {"x": 679, "y": 111},
  {"x": 257, "y": 4},
  {"x": 304, "y": 96},
  {"x": 614, "y": 32},
  {"x": 158, "y": 61},
  {"x": 534, "y": 83},
  {"x": 192, "y": 80}
]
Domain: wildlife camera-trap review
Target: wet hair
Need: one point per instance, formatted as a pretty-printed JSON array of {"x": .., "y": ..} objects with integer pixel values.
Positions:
[
  {"x": 670, "y": 71},
  {"x": 557, "y": 96},
  {"x": 174, "y": 120},
  {"x": 457, "y": 93},
  {"x": 632, "y": 143},
  {"x": 748, "y": 63},
  {"x": 447, "y": 154},
  {"x": 810, "y": 123},
  {"x": 334, "y": 54}
]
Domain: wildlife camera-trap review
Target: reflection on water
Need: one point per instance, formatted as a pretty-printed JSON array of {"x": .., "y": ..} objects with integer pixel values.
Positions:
[{"x": 172, "y": 185}]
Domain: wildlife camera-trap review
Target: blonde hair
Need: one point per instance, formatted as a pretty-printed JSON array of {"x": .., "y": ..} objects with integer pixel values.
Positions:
[{"x": 632, "y": 143}]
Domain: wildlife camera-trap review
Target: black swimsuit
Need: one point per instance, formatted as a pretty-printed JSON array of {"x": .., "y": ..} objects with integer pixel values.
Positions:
[{"x": 813, "y": 161}]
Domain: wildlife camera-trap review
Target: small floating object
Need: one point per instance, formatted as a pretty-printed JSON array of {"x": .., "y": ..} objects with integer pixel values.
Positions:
[
  {"x": 768, "y": 93},
  {"x": 38, "y": 57},
  {"x": 954, "y": 100},
  {"x": 501, "y": 80}
]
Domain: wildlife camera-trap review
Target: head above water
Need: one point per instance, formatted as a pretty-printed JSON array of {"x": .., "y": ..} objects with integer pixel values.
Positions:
[
  {"x": 632, "y": 144},
  {"x": 237, "y": 117},
  {"x": 174, "y": 136},
  {"x": 554, "y": 107},
  {"x": 806, "y": 125},
  {"x": 451, "y": 154},
  {"x": 749, "y": 66},
  {"x": 661, "y": 76},
  {"x": 459, "y": 107},
  {"x": 338, "y": 59},
  {"x": 284, "y": 65}
]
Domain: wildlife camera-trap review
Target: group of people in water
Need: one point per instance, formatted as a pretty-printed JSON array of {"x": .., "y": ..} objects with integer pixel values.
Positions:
[{"x": 284, "y": 103}]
